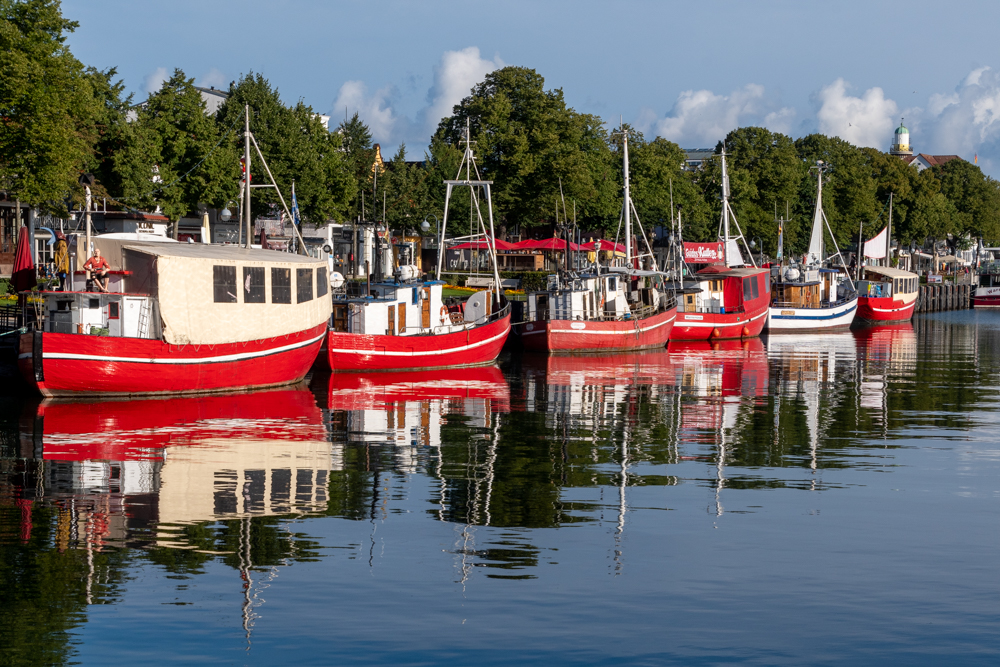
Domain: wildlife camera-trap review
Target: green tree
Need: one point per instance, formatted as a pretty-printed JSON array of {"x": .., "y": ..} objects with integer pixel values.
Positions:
[
  {"x": 764, "y": 173},
  {"x": 975, "y": 197},
  {"x": 356, "y": 145},
  {"x": 526, "y": 141},
  {"x": 190, "y": 166},
  {"x": 49, "y": 117},
  {"x": 296, "y": 146}
]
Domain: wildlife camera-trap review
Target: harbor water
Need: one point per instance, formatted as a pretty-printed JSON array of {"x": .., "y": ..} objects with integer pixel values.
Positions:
[{"x": 794, "y": 499}]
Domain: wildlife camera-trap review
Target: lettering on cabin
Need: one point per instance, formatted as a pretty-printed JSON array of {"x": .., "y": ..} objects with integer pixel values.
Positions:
[{"x": 703, "y": 253}]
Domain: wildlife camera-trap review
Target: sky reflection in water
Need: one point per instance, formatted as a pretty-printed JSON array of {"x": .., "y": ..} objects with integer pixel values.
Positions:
[{"x": 804, "y": 498}]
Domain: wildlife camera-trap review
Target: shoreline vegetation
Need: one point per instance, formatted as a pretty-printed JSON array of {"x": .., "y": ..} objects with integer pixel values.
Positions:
[{"x": 167, "y": 152}]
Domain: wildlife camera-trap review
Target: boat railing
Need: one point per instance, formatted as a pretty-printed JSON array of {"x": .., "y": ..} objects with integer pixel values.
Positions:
[{"x": 824, "y": 303}]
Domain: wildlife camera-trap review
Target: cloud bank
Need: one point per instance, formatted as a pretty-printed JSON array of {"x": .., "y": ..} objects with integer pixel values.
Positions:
[{"x": 454, "y": 77}]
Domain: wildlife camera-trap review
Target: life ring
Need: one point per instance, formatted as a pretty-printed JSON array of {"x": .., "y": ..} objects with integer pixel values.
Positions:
[{"x": 445, "y": 317}]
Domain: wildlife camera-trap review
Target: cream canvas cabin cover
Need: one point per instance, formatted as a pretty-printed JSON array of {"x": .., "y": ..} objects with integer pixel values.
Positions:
[{"x": 181, "y": 276}]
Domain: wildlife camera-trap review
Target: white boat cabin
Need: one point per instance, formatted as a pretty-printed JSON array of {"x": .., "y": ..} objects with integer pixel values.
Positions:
[
  {"x": 795, "y": 287},
  {"x": 195, "y": 294},
  {"x": 888, "y": 282},
  {"x": 408, "y": 308},
  {"x": 124, "y": 315},
  {"x": 607, "y": 296}
]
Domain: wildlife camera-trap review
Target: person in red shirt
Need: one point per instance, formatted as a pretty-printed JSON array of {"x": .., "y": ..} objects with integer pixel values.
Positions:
[{"x": 97, "y": 268}]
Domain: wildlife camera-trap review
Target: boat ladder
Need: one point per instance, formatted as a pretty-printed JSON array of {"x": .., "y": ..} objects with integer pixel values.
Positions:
[{"x": 143, "y": 320}]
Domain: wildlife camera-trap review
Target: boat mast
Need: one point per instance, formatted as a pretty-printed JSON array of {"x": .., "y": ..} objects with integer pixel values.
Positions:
[
  {"x": 816, "y": 254},
  {"x": 246, "y": 171},
  {"x": 627, "y": 203},
  {"x": 888, "y": 235},
  {"x": 725, "y": 210}
]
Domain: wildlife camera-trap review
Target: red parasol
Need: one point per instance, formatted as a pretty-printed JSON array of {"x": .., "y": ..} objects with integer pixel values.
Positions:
[
  {"x": 546, "y": 244},
  {"x": 263, "y": 240},
  {"x": 483, "y": 245},
  {"x": 605, "y": 245},
  {"x": 23, "y": 273}
]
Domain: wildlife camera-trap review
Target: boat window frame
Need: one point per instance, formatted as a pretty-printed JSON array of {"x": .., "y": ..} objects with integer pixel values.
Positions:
[
  {"x": 281, "y": 285},
  {"x": 303, "y": 279},
  {"x": 256, "y": 295},
  {"x": 224, "y": 291}
]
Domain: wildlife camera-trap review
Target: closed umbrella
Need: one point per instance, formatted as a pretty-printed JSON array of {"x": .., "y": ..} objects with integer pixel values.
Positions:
[
  {"x": 263, "y": 240},
  {"x": 23, "y": 274}
]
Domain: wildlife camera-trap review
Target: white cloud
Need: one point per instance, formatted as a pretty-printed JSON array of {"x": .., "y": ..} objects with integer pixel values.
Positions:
[
  {"x": 864, "y": 121},
  {"x": 375, "y": 110},
  {"x": 154, "y": 81},
  {"x": 454, "y": 78},
  {"x": 966, "y": 122},
  {"x": 702, "y": 118},
  {"x": 213, "y": 79}
]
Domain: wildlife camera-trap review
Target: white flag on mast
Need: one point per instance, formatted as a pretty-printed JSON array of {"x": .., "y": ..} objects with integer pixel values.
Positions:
[{"x": 876, "y": 247}]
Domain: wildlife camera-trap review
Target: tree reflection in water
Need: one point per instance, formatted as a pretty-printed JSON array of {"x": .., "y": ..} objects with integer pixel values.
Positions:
[{"x": 89, "y": 490}]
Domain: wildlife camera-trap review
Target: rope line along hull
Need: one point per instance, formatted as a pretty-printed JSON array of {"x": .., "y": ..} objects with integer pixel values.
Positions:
[
  {"x": 58, "y": 364},
  {"x": 477, "y": 346},
  {"x": 721, "y": 326},
  {"x": 883, "y": 310},
  {"x": 563, "y": 336}
]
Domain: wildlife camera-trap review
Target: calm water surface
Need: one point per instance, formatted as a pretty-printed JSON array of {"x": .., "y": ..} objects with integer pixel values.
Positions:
[{"x": 801, "y": 499}]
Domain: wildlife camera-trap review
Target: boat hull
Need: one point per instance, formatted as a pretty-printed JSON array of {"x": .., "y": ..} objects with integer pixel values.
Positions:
[
  {"x": 986, "y": 297},
  {"x": 883, "y": 310},
  {"x": 61, "y": 365},
  {"x": 470, "y": 347},
  {"x": 791, "y": 320},
  {"x": 719, "y": 326},
  {"x": 567, "y": 336}
]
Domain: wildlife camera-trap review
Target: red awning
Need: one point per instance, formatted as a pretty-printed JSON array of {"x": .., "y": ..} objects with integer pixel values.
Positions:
[
  {"x": 546, "y": 244},
  {"x": 482, "y": 245},
  {"x": 605, "y": 246},
  {"x": 23, "y": 273}
]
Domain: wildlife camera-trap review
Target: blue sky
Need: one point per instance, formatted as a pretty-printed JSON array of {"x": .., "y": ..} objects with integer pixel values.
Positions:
[{"x": 689, "y": 71}]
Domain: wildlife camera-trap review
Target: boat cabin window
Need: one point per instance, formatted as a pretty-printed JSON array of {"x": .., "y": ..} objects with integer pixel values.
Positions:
[
  {"x": 321, "y": 282},
  {"x": 224, "y": 283},
  {"x": 94, "y": 304},
  {"x": 750, "y": 289},
  {"x": 613, "y": 284},
  {"x": 253, "y": 285},
  {"x": 416, "y": 295},
  {"x": 304, "y": 285},
  {"x": 715, "y": 286},
  {"x": 113, "y": 310},
  {"x": 281, "y": 285}
]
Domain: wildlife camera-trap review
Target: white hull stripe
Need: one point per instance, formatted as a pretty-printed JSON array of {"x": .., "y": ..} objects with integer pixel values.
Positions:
[
  {"x": 221, "y": 359},
  {"x": 891, "y": 310},
  {"x": 713, "y": 325},
  {"x": 423, "y": 353},
  {"x": 598, "y": 332}
]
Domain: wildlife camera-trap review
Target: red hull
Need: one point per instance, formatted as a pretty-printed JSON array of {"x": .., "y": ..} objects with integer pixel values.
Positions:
[
  {"x": 593, "y": 336},
  {"x": 380, "y": 391},
  {"x": 986, "y": 297},
  {"x": 81, "y": 364},
  {"x": 882, "y": 310},
  {"x": 720, "y": 326},
  {"x": 472, "y": 347},
  {"x": 141, "y": 429}
]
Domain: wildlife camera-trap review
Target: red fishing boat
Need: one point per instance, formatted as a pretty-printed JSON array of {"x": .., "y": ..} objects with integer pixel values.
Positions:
[
  {"x": 617, "y": 309},
  {"x": 725, "y": 299},
  {"x": 192, "y": 318},
  {"x": 886, "y": 295},
  {"x": 404, "y": 324}
]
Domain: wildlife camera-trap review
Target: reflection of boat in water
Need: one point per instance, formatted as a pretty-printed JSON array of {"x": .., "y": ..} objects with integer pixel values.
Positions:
[
  {"x": 369, "y": 391},
  {"x": 884, "y": 351},
  {"x": 185, "y": 459}
]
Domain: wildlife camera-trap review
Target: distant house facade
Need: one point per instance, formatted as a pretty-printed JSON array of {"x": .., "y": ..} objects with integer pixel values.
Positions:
[{"x": 902, "y": 149}]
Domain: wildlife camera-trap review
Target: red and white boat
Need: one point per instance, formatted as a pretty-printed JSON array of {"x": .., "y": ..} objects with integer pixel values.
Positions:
[
  {"x": 405, "y": 325},
  {"x": 190, "y": 318},
  {"x": 987, "y": 291},
  {"x": 725, "y": 299},
  {"x": 616, "y": 309},
  {"x": 885, "y": 294}
]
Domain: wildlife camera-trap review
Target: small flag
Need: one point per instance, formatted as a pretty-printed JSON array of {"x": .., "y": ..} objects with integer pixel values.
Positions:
[
  {"x": 977, "y": 158},
  {"x": 295, "y": 207}
]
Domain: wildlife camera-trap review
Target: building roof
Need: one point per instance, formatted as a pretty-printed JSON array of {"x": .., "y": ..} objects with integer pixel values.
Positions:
[
  {"x": 931, "y": 160},
  {"x": 221, "y": 252},
  {"x": 889, "y": 272}
]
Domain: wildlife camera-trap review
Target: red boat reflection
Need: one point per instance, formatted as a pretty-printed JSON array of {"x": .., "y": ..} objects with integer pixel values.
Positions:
[{"x": 380, "y": 391}]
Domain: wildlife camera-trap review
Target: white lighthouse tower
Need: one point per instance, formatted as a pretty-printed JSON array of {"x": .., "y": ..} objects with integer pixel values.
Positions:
[{"x": 901, "y": 143}]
